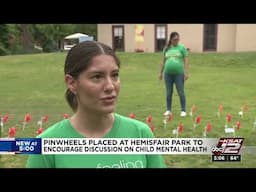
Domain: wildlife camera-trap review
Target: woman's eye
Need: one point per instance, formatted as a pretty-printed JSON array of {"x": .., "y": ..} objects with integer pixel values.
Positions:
[
  {"x": 115, "y": 75},
  {"x": 97, "y": 77}
]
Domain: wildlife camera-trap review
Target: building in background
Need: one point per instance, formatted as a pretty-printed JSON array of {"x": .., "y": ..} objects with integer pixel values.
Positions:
[{"x": 196, "y": 37}]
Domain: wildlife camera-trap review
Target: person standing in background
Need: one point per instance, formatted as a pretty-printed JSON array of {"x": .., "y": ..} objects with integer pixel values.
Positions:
[{"x": 175, "y": 68}]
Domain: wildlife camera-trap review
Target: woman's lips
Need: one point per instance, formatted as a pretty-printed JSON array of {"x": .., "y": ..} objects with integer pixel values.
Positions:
[{"x": 109, "y": 100}]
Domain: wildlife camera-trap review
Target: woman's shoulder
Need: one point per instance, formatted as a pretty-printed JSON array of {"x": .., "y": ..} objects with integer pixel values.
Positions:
[
  {"x": 181, "y": 45},
  {"x": 134, "y": 125},
  {"x": 56, "y": 130},
  {"x": 130, "y": 120}
]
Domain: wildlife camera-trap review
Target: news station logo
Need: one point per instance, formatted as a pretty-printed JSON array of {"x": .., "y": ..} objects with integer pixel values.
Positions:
[{"x": 227, "y": 150}]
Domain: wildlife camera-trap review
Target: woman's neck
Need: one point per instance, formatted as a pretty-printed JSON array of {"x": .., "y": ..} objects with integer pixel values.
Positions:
[{"x": 92, "y": 124}]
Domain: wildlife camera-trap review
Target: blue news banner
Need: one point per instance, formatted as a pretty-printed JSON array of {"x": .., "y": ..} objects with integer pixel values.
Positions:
[{"x": 20, "y": 146}]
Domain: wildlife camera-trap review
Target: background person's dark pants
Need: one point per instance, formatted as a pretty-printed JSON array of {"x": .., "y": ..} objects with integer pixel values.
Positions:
[{"x": 178, "y": 80}]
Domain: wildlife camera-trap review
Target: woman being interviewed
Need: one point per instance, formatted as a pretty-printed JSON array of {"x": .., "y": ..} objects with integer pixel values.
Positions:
[{"x": 92, "y": 80}]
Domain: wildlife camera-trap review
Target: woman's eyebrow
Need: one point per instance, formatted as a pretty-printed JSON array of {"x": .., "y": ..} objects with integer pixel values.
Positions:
[
  {"x": 115, "y": 70},
  {"x": 102, "y": 72},
  {"x": 96, "y": 72}
]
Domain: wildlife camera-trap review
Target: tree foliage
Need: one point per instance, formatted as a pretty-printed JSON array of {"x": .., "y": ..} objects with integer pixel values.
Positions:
[
  {"x": 4, "y": 39},
  {"x": 23, "y": 38}
]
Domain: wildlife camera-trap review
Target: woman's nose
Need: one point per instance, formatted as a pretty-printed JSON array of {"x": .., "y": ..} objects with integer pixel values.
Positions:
[{"x": 109, "y": 85}]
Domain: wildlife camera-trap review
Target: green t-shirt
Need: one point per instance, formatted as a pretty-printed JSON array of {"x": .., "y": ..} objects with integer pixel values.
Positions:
[
  {"x": 174, "y": 63},
  {"x": 123, "y": 127}
]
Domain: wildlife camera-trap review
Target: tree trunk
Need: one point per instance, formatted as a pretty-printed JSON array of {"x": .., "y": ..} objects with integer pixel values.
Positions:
[{"x": 26, "y": 37}]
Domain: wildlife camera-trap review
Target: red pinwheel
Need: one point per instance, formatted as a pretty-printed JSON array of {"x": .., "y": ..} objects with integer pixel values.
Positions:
[
  {"x": 45, "y": 118},
  {"x": 181, "y": 127},
  {"x": 198, "y": 119},
  {"x": 209, "y": 127},
  {"x": 132, "y": 116},
  {"x": 5, "y": 118},
  {"x": 39, "y": 131},
  {"x": 149, "y": 119},
  {"x": 169, "y": 117},
  {"x": 27, "y": 118},
  {"x": 229, "y": 117},
  {"x": 238, "y": 125},
  {"x": 12, "y": 132},
  {"x": 152, "y": 127},
  {"x": 66, "y": 116}
]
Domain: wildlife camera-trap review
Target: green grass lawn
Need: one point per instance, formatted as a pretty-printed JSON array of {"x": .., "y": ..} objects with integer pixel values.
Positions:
[{"x": 34, "y": 84}]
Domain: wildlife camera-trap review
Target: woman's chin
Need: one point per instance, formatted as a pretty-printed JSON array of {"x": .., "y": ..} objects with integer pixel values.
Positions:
[{"x": 108, "y": 109}]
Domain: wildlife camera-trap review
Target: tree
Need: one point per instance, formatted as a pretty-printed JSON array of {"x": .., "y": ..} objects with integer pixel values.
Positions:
[
  {"x": 21, "y": 38},
  {"x": 15, "y": 39},
  {"x": 4, "y": 39},
  {"x": 49, "y": 36},
  {"x": 26, "y": 37},
  {"x": 89, "y": 29}
]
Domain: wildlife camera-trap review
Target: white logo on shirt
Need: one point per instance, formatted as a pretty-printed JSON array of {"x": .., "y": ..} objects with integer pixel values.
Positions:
[{"x": 123, "y": 164}]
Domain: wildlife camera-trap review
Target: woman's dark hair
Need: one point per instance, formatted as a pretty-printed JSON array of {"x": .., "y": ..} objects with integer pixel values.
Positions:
[
  {"x": 79, "y": 59},
  {"x": 172, "y": 35}
]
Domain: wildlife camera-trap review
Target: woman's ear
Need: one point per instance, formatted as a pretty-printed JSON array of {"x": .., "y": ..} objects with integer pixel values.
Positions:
[{"x": 71, "y": 83}]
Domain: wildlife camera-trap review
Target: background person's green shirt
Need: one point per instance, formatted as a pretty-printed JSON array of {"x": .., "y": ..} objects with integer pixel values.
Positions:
[
  {"x": 123, "y": 127},
  {"x": 174, "y": 63}
]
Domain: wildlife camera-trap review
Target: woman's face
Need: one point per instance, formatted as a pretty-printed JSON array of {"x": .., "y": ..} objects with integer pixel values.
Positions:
[
  {"x": 98, "y": 86},
  {"x": 175, "y": 40}
]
